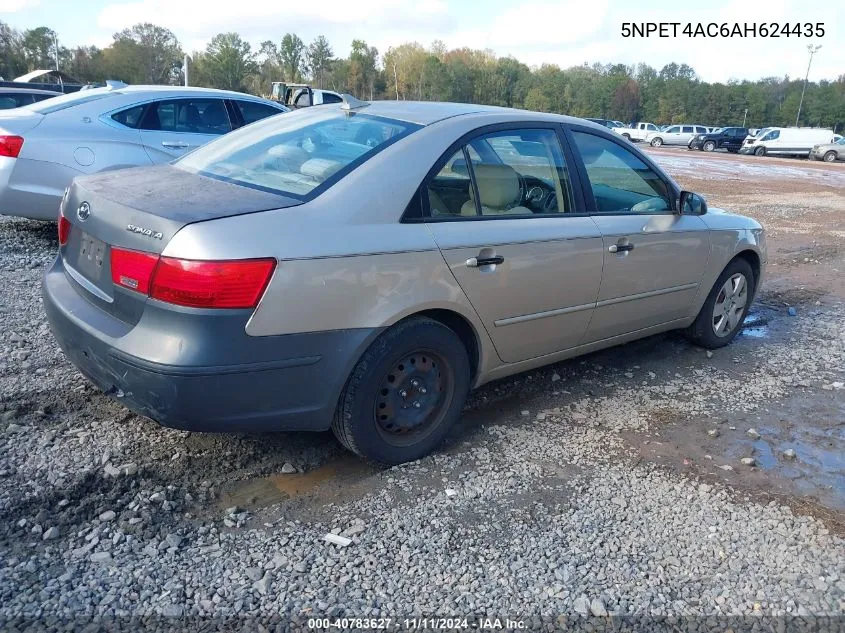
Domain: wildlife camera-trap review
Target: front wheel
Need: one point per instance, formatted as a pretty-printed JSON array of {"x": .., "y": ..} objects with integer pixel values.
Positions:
[
  {"x": 405, "y": 393},
  {"x": 656, "y": 142},
  {"x": 725, "y": 308},
  {"x": 830, "y": 156},
  {"x": 760, "y": 151},
  {"x": 709, "y": 146}
]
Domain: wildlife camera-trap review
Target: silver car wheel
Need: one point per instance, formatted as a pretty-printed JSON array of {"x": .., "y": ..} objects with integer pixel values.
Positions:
[{"x": 730, "y": 305}]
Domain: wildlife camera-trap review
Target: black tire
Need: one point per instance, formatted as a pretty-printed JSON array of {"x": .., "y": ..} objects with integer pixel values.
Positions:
[
  {"x": 829, "y": 157},
  {"x": 627, "y": 136},
  {"x": 371, "y": 417},
  {"x": 760, "y": 151},
  {"x": 732, "y": 151},
  {"x": 656, "y": 142},
  {"x": 708, "y": 146},
  {"x": 703, "y": 330}
]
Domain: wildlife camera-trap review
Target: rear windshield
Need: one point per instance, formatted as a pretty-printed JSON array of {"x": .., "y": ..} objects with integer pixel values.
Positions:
[
  {"x": 298, "y": 153},
  {"x": 69, "y": 100}
]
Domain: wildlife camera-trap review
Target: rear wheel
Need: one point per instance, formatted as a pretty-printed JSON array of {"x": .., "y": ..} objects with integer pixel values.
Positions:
[
  {"x": 760, "y": 151},
  {"x": 627, "y": 136},
  {"x": 405, "y": 393},
  {"x": 830, "y": 156},
  {"x": 709, "y": 146},
  {"x": 656, "y": 142},
  {"x": 726, "y": 306}
]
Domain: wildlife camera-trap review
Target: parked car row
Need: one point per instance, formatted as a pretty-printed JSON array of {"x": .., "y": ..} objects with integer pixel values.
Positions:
[
  {"x": 815, "y": 143},
  {"x": 44, "y": 145}
]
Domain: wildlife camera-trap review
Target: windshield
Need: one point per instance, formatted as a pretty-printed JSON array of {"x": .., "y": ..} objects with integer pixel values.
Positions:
[
  {"x": 69, "y": 100},
  {"x": 297, "y": 152}
]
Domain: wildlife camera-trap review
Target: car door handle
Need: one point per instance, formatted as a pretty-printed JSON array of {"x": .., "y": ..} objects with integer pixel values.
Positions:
[
  {"x": 620, "y": 248},
  {"x": 475, "y": 262},
  {"x": 174, "y": 144}
]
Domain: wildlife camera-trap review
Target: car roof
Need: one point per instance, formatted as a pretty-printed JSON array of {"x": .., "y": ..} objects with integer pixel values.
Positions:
[
  {"x": 428, "y": 112},
  {"x": 30, "y": 91},
  {"x": 176, "y": 90}
]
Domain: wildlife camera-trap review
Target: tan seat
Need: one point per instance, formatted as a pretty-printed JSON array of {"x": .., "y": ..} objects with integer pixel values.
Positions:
[{"x": 498, "y": 187}]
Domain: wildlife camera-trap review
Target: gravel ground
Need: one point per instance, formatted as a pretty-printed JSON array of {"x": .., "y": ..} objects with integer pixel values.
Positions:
[{"x": 538, "y": 505}]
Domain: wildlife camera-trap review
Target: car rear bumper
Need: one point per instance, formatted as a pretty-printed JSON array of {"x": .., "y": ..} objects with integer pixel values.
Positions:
[{"x": 227, "y": 380}]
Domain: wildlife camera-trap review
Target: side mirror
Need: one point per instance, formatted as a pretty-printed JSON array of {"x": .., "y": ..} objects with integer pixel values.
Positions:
[{"x": 692, "y": 203}]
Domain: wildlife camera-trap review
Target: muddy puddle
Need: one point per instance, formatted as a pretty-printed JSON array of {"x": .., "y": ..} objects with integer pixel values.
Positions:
[{"x": 321, "y": 484}]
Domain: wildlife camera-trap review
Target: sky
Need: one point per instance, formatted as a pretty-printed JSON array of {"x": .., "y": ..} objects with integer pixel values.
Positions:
[{"x": 562, "y": 32}]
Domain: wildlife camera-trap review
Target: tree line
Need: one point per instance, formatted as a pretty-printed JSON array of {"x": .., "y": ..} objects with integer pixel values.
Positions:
[{"x": 150, "y": 54}]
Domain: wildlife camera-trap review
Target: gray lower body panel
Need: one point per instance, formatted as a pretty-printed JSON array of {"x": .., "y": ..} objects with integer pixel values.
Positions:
[{"x": 197, "y": 369}]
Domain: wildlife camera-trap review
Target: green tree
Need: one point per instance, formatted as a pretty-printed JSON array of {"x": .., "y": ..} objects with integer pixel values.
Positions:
[
  {"x": 146, "y": 54},
  {"x": 39, "y": 48},
  {"x": 12, "y": 60},
  {"x": 227, "y": 63},
  {"x": 291, "y": 56},
  {"x": 319, "y": 58}
]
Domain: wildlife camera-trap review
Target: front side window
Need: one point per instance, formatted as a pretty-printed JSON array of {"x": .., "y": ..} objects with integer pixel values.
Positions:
[
  {"x": 330, "y": 98},
  {"x": 673, "y": 130},
  {"x": 771, "y": 135},
  {"x": 621, "y": 182},
  {"x": 191, "y": 116},
  {"x": 652, "y": 127},
  {"x": 515, "y": 172},
  {"x": 298, "y": 153}
]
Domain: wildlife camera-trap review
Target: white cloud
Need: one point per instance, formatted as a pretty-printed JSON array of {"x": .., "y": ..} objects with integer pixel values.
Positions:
[{"x": 13, "y": 6}]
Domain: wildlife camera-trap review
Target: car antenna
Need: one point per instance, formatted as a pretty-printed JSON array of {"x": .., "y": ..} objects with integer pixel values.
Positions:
[{"x": 351, "y": 103}]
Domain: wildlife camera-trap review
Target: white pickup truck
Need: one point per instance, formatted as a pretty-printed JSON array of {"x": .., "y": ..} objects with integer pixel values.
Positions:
[{"x": 638, "y": 132}]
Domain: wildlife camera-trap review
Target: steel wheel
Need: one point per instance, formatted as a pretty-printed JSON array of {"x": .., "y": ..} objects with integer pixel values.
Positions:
[
  {"x": 730, "y": 305},
  {"x": 413, "y": 397},
  {"x": 709, "y": 146},
  {"x": 657, "y": 142},
  {"x": 830, "y": 157}
]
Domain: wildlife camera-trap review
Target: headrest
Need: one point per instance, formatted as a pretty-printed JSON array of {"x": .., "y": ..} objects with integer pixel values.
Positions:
[{"x": 498, "y": 185}]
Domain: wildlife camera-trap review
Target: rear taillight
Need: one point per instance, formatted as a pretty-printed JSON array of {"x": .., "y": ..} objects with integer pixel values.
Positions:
[
  {"x": 64, "y": 230},
  {"x": 132, "y": 269},
  {"x": 215, "y": 284},
  {"x": 10, "y": 146},
  {"x": 192, "y": 283}
]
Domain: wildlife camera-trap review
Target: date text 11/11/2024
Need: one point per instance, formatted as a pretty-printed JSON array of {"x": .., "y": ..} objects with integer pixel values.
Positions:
[
  {"x": 450, "y": 624},
  {"x": 724, "y": 29}
]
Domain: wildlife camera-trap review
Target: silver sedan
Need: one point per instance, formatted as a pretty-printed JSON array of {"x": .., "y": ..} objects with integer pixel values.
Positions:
[
  {"x": 361, "y": 267},
  {"x": 43, "y": 146}
]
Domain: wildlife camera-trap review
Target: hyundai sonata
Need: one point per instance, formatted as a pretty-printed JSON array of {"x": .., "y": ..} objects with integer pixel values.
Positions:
[{"x": 360, "y": 267}]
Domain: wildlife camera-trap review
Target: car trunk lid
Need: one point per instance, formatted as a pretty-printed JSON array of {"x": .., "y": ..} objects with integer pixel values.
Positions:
[{"x": 141, "y": 209}]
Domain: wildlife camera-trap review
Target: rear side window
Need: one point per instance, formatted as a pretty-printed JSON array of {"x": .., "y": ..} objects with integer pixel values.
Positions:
[
  {"x": 130, "y": 117},
  {"x": 251, "y": 111},
  {"x": 190, "y": 116},
  {"x": 297, "y": 154},
  {"x": 687, "y": 129},
  {"x": 621, "y": 182}
]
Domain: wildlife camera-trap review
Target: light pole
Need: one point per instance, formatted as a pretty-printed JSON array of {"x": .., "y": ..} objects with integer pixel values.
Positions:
[
  {"x": 56, "y": 42},
  {"x": 812, "y": 50},
  {"x": 744, "y": 116}
]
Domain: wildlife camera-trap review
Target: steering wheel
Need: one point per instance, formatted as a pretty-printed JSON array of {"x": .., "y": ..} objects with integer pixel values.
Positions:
[{"x": 523, "y": 190}]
